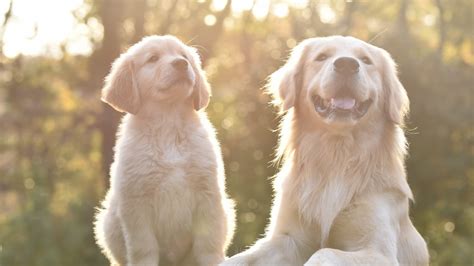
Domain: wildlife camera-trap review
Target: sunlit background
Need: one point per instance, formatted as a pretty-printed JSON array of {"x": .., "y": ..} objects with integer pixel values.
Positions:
[{"x": 56, "y": 137}]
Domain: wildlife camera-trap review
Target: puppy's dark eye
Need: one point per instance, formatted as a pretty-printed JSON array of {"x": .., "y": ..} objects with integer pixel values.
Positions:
[
  {"x": 321, "y": 57},
  {"x": 366, "y": 60},
  {"x": 153, "y": 59}
]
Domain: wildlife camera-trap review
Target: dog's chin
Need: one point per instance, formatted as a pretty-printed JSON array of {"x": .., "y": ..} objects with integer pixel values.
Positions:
[
  {"x": 173, "y": 90},
  {"x": 343, "y": 111},
  {"x": 178, "y": 83}
]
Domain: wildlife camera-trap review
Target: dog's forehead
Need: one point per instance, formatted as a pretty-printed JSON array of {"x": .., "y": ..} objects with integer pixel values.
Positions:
[
  {"x": 340, "y": 44},
  {"x": 161, "y": 44}
]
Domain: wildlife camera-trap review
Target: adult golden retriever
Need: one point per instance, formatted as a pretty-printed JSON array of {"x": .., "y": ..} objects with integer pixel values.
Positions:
[
  {"x": 341, "y": 196},
  {"x": 166, "y": 203}
]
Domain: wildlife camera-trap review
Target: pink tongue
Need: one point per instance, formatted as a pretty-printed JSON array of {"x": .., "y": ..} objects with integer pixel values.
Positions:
[{"x": 343, "y": 103}]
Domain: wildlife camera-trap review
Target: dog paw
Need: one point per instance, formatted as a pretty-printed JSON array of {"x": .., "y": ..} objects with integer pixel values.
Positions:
[
  {"x": 236, "y": 261},
  {"x": 322, "y": 258}
]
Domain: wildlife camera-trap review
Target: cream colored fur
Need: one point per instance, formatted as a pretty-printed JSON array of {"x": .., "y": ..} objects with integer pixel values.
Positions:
[
  {"x": 341, "y": 195},
  {"x": 167, "y": 203}
]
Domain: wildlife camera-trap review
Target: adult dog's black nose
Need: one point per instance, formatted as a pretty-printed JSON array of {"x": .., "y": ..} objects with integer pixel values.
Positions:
[
  {"x": 180, "y": 64},
  {"x": 346, "y": 65}
]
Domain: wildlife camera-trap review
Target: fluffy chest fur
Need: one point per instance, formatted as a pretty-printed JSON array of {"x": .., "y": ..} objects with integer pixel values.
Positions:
[
  {"x": 329, "y": 173},
  {"x": 320, "y": 196},
  {"x": 324, "y": 187},
  {"x": 164, "y": 154},
  {"x": 172, "y": 165}
]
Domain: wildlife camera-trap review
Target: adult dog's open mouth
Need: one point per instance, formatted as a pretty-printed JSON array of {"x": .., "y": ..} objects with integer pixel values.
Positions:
[{"x": 341, "y": 106}]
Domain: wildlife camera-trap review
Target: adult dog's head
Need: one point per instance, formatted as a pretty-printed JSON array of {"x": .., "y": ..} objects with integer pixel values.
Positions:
[
  {"x": 340, "y": 82},
  {"x": 157, "y": 71}
]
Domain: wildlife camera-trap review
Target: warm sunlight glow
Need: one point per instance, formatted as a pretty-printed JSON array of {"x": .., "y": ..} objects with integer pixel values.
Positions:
[
  {"x": 48, "y": 26},
  {"x": 218, "y": 5},
  {"x": 260, "y": 9},
  {"x": 429, "y": 20},
  {"x": 241, "y": 5},
  {"x": 210, "y": 20},
  {"x": 42, "y": 27},
  {"x": 327, "y": 14},
  {"x": 280, "y": 10},
  {"x": 299, "y": 3}
]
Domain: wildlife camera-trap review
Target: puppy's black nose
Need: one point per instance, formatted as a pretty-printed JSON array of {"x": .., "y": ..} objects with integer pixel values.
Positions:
[
  {"x": 346, "y": 65},
  {"x": 180, "y": 64}
]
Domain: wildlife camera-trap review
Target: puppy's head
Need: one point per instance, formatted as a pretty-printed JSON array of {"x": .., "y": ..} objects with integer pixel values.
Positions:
[
  {"x": 157, "y": 70},
  {"x": 340, "y": 81}
]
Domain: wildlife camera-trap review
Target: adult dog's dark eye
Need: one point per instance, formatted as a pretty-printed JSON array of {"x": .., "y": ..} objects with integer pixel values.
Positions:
[
  {"x": 153, "y": 59},
  {"x": 321, "y": 57},
  {"x": 366, "y": 60}
]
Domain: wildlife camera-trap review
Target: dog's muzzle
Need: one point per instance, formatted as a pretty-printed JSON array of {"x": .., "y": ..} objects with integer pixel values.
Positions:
[{"x": 343, "y": 106}]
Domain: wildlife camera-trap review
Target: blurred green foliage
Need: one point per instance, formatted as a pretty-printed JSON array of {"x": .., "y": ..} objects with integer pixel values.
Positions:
[{"x": 52, "y": 151}]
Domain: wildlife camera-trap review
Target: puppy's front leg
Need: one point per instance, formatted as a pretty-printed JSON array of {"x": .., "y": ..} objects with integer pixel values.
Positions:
[
  {"x": 209, "y": 233},
  {"x": 140, "y": 241}
]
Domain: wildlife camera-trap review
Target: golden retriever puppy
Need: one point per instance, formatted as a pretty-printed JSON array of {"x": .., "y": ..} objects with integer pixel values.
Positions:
[
  {"x": 341, "y": 195},
  {"x": 167, "y": 203}
]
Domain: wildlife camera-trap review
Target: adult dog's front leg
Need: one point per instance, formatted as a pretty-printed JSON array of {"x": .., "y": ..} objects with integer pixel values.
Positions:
[
  {"x": 286, "y": 243},
  {"x": 277, "y": 250},
  {"x": 140, "y": 241},
  {"x": 335, "y": 257},
  {"x": 367, "y": 233}
]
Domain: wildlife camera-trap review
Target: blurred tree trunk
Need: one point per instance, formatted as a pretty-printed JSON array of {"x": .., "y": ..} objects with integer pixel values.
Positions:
[
  {"x": 6, "y": 19},
  {"x": 298, "y": 27},
  {"x": 402, "y": 18},
  {"x": 315, "y": 19},
  {"x": 139, "y": 8},
  {"x": 245, "y": 45},
  {"x": 349, "y": 11},
  {"x": 111, "y": 13},
  {"x": 441, "y": 29},
  {"x": 166, "y": 23},
  {"x": 400, "y": 36},
  {"x": 210, "y": 34},
  {"x": 8, "y": 14}
]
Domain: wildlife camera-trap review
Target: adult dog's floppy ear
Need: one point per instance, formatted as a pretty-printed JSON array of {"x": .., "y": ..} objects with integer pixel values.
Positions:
[
  {"x": 285, "y": 84},
  {"x": 396, "y": 102},
  {"x": 120, "y": 90},
  {"x": 201, "y": 91}
]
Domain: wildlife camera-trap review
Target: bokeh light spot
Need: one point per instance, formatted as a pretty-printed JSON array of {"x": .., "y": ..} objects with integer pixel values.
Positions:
[
  {"x": 280, "y": 10},
  {"x": 258, "y": 155},
  {"x": 29, "y": 183},
  {"x": 252, "y": 204},
  {"x": 248, "y": 217},
  {"x": 291, "y": 43},
  {"x": 449, "y": 227},
  {"x": 234, "y": 166},
  {"x": 210, "y": 20}
]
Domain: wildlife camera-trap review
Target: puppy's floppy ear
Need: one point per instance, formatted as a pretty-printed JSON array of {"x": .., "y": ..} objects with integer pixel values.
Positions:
[
  {"x": 285, "y": 84},
  {"x": 396, "y": 102},
  {"x": 120, "y": 90},
  {"x": 201, "y": 91}
]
